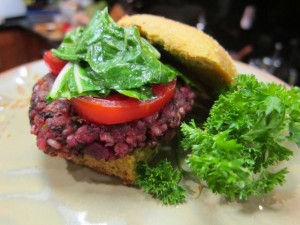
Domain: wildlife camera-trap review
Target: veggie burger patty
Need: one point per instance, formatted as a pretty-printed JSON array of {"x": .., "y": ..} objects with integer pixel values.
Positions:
[{"x": 61, "y": 132}]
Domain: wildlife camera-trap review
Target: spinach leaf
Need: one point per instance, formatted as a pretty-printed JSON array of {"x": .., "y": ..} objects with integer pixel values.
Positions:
[{"x": 114, "y": 57}]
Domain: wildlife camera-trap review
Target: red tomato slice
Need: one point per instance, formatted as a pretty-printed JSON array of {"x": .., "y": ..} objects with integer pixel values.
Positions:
[
  {"x": 120, "y": 109},
  {"x": 54, "y": 64}
]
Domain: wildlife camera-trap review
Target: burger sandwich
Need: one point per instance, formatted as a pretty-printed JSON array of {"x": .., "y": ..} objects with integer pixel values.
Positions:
[{"x": 111, "y": 98}]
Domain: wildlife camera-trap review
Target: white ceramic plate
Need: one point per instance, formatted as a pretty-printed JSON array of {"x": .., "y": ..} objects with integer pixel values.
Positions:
[{"x": 38, "y": 189}]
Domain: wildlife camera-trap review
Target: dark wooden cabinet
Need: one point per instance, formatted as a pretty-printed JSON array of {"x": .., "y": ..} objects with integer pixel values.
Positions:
[{"x": 18, "y": 46}]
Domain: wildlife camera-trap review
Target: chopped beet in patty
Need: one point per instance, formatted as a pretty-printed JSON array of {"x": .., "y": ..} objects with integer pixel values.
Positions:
[{"x": 61, "y": 132}]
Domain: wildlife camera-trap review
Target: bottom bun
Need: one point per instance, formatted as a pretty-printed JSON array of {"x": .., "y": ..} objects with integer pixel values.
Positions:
[{"x": 124, "y": 168}]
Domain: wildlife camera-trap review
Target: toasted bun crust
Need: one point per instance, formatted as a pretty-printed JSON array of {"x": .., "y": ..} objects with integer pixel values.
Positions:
[
  {"x": 124, "y": 168},
  {"x": 202, "y": 57}
]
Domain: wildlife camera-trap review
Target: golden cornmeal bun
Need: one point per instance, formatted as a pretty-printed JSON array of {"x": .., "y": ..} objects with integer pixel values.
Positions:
[
  {"x": 124, "y": 168},
  {"x": 201, "y": 57}
]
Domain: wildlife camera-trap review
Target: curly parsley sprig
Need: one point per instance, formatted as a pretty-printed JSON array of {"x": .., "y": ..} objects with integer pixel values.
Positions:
[
  {"x": 238, "y": 151},
  {"x": 161, "y": 181},
  {"x": 235, "y": 150}
]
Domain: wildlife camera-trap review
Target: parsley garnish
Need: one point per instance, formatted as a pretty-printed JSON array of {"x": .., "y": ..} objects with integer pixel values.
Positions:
[
  {"x": 238, "y": 150},
  {"x": 161, "y": 182}
]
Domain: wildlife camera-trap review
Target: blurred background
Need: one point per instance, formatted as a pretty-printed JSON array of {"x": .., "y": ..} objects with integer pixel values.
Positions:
[{"x": 260, "y": 33}]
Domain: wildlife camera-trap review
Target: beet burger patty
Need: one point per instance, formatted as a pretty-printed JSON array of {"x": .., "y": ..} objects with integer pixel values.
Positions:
[{"x": 62, "y": 132}]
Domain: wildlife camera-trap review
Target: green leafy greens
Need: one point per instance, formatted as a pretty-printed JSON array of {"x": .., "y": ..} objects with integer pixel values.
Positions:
[
  {"x": 235, "y": 151},
  {"x": 105, "y": 57},
  {"x": 161, "y": 182}
]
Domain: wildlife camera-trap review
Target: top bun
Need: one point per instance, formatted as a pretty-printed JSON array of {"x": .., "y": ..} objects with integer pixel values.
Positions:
[{"x": 199, "y": 56}]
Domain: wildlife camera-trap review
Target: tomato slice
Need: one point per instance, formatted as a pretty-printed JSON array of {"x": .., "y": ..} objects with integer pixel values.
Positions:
[
  {"x": 118, "y": 108},
  {"x": 54, "y": 64}
]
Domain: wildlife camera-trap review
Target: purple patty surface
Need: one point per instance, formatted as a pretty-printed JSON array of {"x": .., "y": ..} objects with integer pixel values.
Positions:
[{"x": 61, "y": 132}]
